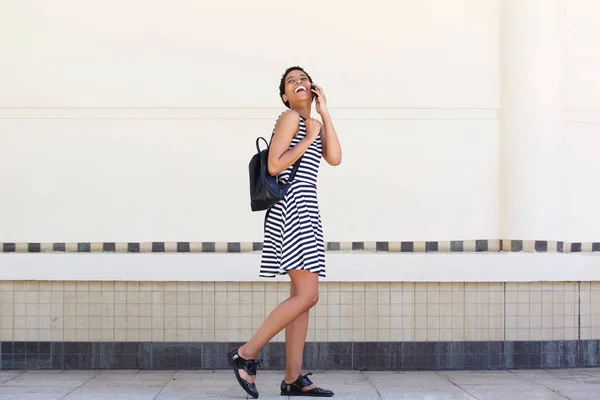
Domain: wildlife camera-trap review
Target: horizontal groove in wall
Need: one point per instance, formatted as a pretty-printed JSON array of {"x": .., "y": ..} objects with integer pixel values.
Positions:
[
  {"x": 582, "y": 116},
  {"x": 243, "y": 113}
]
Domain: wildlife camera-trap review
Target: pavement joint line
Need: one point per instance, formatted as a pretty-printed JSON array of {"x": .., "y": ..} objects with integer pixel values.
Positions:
[
  {"x": 164, "y": 386},
  {"x": 371, "y": 383},
  {"x": 98, "y": 373},
  {"x": 511, "y": 371},
  {"x": 14, "y": 377},
  {"x": 65, "y": 396},
  {"x": 541, "y": 384},
  {"x": 528, "y": 380},
  {"x": 564, "y": 384},
  {"x": 557, "y": 392},
  {"x": 458, "y": 386},
  {"x": 588, "y": 375}
]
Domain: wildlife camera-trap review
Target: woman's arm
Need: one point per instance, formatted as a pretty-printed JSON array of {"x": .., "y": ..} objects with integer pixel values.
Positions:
[
  {"x": 332, "y": 150},
  {"x": 280, "y": 155}
]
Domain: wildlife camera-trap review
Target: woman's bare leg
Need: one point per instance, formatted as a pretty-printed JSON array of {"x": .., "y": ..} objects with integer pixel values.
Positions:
[
  {"x": 306, "y": 296},
  {"x": 295, "y": 338}
]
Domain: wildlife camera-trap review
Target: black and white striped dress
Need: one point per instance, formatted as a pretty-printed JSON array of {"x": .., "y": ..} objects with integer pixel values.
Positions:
[{"x": 293, "y": 237}]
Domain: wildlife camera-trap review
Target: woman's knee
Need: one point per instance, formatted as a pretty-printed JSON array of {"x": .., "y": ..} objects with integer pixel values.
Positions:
[
  {"x": 310, "y": 298},
  {"x": 306, "y": 286}
]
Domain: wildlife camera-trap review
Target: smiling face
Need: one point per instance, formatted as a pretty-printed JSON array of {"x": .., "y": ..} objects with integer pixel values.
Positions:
[{"x": 295, "y": 87}]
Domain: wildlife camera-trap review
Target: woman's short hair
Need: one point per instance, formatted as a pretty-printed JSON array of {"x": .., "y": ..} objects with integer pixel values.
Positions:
[{"x": 282, "y": 82}]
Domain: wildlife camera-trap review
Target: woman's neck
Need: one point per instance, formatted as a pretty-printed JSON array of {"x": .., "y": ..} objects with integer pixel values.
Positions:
[{"x": 304, "y": 111}]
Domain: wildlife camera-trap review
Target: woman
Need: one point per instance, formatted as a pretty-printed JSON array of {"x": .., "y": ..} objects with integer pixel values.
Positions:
[{"x": 293, "y": 238}]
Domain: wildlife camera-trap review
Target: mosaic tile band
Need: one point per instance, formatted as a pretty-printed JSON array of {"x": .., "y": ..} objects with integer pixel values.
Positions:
[{"x": 453, "y": 246}]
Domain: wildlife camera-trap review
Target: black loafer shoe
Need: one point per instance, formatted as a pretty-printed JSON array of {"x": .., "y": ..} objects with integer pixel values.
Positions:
[
  {"x": 237, "y": 362},
  {"x": 295, "y": 388}
]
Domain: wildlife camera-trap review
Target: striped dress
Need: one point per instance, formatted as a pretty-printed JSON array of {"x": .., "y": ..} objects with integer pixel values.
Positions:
[{"x": 293, "y": 237}]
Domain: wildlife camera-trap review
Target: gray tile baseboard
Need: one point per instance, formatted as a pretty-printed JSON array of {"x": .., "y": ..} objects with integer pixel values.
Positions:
[
  {"x": 376, "y": 356},
  {"x": 449, "y": 246}
]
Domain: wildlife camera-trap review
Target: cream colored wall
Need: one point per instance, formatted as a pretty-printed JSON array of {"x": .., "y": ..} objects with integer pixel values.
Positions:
[
  {"x": 582, "y": 120},
  {"x": 136, "y": 121}
]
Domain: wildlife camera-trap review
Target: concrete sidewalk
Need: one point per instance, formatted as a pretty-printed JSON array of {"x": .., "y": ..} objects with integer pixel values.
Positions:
[{"x": 572, "y": 384}]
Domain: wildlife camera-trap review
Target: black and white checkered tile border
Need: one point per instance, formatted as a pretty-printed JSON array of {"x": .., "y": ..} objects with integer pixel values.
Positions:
[{"x": 454, "y": 246}]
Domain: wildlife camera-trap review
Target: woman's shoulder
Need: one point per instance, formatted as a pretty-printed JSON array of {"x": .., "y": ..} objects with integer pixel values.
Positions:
[{"x": 289, "y": 116}]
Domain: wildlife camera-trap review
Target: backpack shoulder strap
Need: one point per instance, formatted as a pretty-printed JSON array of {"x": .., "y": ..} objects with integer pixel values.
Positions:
[{"x": 296, "y": 164}]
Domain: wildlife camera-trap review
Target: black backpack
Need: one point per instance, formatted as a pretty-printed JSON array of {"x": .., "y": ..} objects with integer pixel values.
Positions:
[{"x": 265, "y": 189}]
